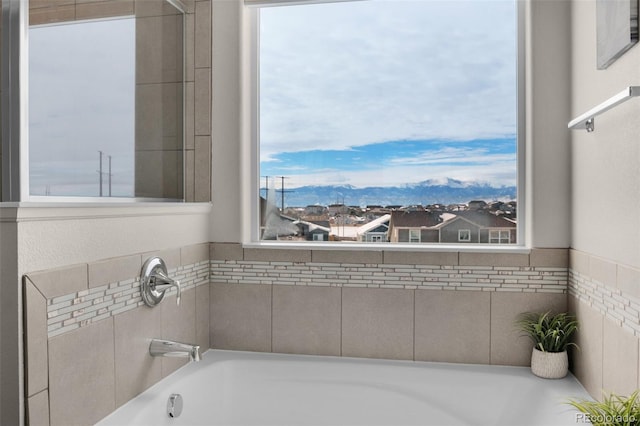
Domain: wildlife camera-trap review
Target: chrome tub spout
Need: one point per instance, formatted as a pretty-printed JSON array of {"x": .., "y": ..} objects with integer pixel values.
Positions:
[{"x": 167, "y": 348}]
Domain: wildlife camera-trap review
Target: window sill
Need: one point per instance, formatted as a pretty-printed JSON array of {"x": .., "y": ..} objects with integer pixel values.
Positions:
[
  {"x": 55, "y": 210},
  {"x": 400, "y": 247}
]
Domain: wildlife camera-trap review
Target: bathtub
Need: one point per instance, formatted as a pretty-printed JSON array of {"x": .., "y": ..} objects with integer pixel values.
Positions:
[{"x": 246, "y": 388}]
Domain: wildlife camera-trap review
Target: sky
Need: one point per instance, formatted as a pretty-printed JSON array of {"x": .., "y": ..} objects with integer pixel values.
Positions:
[{"x": 388, "y": 92}]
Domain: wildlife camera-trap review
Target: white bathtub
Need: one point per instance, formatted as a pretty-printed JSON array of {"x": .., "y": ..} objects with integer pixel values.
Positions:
[{"x": 244, "y": 388}]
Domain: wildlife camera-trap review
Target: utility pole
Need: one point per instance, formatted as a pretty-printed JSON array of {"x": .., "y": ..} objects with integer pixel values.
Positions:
[
  {"x": 100, "y": 173},
  {"x": 109, "y": 176},
  {"x": 282, "y": 191}
]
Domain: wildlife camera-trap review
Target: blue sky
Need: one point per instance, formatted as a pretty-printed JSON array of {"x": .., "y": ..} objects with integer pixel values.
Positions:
[{"x": 387, "y": 92}]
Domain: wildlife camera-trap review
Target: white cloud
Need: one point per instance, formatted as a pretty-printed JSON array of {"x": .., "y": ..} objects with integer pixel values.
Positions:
[{"x": 363, "y": 72}]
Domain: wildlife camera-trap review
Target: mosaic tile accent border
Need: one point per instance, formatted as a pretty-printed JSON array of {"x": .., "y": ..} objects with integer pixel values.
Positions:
[
  {"x": 617, "y": 306},
  {"x": 75, "y": 310},
  {"x": 471, "y": 278}
]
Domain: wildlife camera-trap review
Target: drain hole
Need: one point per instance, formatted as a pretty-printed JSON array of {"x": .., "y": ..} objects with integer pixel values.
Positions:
[{"x": 174, "y": 405}]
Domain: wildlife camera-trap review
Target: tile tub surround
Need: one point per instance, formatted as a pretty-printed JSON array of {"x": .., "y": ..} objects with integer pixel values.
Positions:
[
  {"x": 430, "y": 306},
  {"x": 88, "y": 331},
  {"x": 606, "y": 298}
]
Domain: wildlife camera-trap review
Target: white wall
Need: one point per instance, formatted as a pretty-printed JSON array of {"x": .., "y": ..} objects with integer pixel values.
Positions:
[
  {"x": 606, "y": 163},
  {"x": 45, "y": 236}
]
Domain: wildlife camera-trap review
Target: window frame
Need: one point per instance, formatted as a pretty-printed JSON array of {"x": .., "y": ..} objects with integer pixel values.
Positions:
[{"x": 252, "y": 238}]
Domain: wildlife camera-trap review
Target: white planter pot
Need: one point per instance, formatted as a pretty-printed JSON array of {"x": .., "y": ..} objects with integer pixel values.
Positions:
[{"x": 549, "y": 365}]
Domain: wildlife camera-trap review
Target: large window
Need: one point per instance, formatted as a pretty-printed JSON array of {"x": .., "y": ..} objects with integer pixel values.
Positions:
[{"x": 402, "y": 112}]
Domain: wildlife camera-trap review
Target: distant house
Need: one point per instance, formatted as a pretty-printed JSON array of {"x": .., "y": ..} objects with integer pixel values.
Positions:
[
  {"x": 313, "y": 231},
  {"x": 315, "y": 210},
  {"x": 413, "y": 227},
  {"x": 478, "y": 226},
  {"x": 335, "y": 209},
  {"x": 376, "y": 231},
  {"x": 477, "y": 205}
]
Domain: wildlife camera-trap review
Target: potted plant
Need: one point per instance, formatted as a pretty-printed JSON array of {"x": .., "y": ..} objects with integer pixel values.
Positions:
[
  {"x": 614, "y": 410},
  {"x": 551, "y": 335}
]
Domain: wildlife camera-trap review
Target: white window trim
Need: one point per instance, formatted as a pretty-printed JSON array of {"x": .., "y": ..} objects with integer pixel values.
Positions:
[
  {"x": 468, "y": 239},
  {"x": 499, "y": 238},
  {"x": 253, "y": 240}
]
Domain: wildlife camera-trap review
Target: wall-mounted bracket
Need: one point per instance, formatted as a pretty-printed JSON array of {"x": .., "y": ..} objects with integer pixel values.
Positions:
[{"x": 587, "y": 120}]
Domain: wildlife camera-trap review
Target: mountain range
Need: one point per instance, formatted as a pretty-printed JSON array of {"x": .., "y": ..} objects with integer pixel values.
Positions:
[{"x": 442, "y": 191}]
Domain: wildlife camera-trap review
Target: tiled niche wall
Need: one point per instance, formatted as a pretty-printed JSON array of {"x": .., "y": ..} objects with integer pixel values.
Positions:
[
  {"x": 158, "y": 158},
  {"x": 445, "y": 306},
  {"x": 88, "y": 332},
  {"x": 606, "y": 298}
]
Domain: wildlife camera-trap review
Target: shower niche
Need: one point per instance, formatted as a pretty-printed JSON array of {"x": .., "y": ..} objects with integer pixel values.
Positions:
[{"x": 106, "y": 100}]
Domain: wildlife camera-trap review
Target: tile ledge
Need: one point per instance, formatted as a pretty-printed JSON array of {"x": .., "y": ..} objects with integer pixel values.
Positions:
[{"x": 47, "y": 211}]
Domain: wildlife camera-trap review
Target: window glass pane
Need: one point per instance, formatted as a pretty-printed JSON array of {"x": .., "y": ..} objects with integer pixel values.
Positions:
[
  {"x": 386, "y": 107},
  {"x": 106, "y": 103}
]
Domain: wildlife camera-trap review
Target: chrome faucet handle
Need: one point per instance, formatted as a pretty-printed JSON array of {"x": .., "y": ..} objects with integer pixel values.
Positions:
[
  {"x": 155, "y": 281},
  {"x": 162, "y": 282}
]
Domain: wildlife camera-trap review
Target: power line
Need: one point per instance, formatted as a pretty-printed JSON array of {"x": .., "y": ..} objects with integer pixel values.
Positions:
[{"x": 283, "y": 191}]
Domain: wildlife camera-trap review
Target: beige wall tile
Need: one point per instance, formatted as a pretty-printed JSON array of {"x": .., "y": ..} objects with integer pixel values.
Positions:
[
  {"x": 420, "y": 258},
  {"x": 82, "y": 375},
  {"x": 346, "y": 256},
  {"x": 179, "y": 325},
  {"x": 159, "y": 49},
  {"x": 550, "y": 258},
  {"x": 189, "y": 116},
  {"x": 629, "y": 280},
  {"x": 190, "y": 42},
  {"x": 36, "y": 374},
  {"x": 34, "y": 4},
  {"x": 587, "y": 362},
  {"x": 116, "y": 269},
  {"x": 104, "y": 9},
  {"x": 493, "y": 259},
  {"x": 146, "y": 8},
  {"x": 579, "y": 262},
  {"x": 241, "y": 317},
  {"x": 189, "y": 175},
  {"x": 277, "y": 255},
  {"x": 203, "y": 35},
  {"x": 59, "y": 282},
  {"x": 603, "y": 271},
  {"x": 171, "y": 257},
  {"x": 202, "y": 98},
  {"x": 51, "y": 14},
  {"x": 194, "y": 253},
  {"x": 159, "y": 116},
  {"x": 38, "y": 409},
  {"x": 377, "y": 323},
  {"x": 619, "y": 360},
  {"x": 453, "y": 326},
  {"x": 159, "y": 174},
  {"x": 202, "y": 317},
  {"x": 227, "y": 251},
  {"x": 306, "y": 320},
  {"x": 203, "y": 168},
  {"x": 135, "y": 369},
  {"x": 508, "y": 346}
]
